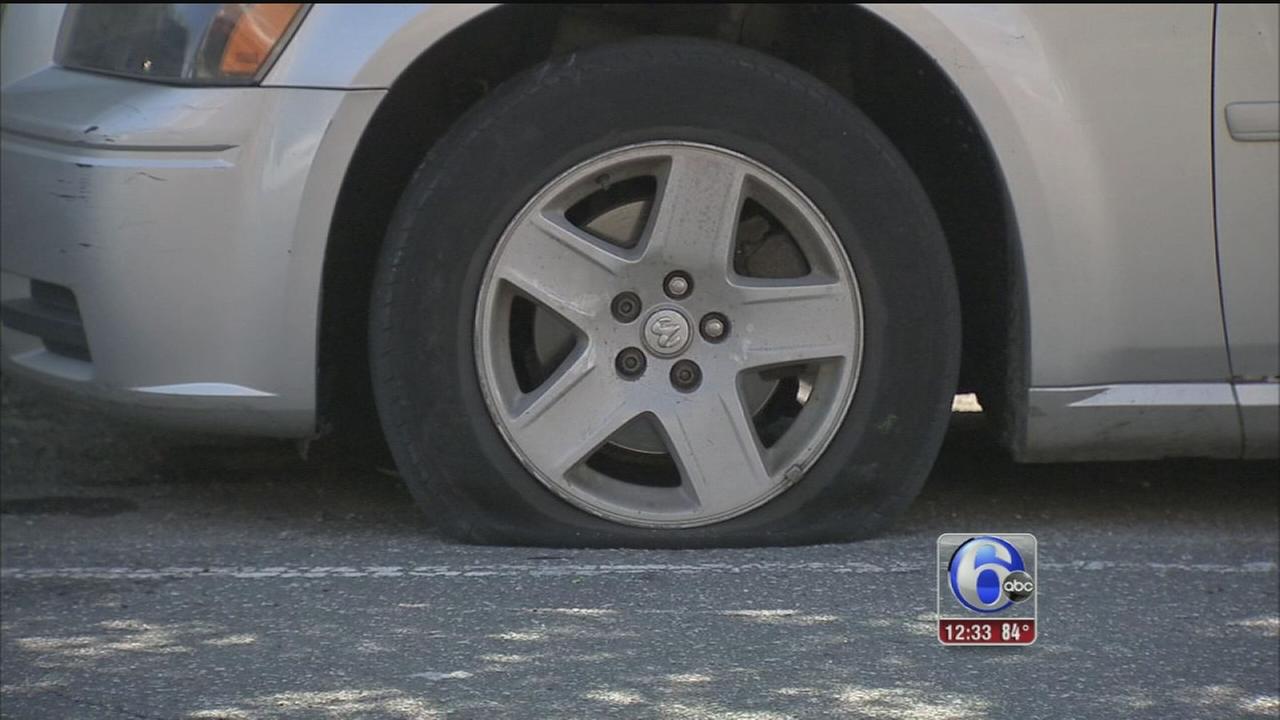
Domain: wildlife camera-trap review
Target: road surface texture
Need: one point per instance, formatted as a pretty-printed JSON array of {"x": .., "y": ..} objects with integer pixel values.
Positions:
[{"x": 160, "y": 575}]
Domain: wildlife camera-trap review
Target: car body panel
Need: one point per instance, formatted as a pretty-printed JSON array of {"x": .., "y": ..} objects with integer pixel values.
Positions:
[
  {"x": 28, "y": 47},
  {"x": 190, "y": 223},
  {"x": 1082, "y": 109},
  {"x": 1246, "y": 121},
  {"x": 1247, "y": 144},
  {"x": 1098, "y": 119},
  {"x": 1132, "y": 421},
  {"x": 365, "y": 46},
  {"x": 1247, "y": 75}
]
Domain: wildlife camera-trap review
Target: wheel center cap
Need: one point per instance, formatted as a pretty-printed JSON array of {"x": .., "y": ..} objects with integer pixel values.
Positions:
[{"x": 666, "y": 332}]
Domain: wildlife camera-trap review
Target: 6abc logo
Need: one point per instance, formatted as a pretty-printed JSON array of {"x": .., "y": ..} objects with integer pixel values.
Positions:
[
  {"x": 987, "y": 575},
  {"x": 987, "y": 588}
]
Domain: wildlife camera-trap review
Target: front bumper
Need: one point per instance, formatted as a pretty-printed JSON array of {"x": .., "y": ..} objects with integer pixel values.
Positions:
[{"x": 190, "y": 226}]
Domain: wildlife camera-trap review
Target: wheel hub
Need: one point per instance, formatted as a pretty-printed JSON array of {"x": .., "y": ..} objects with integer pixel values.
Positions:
[{"x": 667, "y": 332}]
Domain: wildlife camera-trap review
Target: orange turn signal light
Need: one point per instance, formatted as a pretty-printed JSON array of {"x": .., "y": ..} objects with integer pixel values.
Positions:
[{"x": 256, "y": 33}]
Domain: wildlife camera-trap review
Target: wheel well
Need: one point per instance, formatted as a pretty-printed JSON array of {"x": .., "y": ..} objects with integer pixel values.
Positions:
[{"x": 859, "y": 55}]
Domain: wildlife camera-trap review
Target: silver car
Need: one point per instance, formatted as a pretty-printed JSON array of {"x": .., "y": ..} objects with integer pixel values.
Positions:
[{"x": 653, "y": 276}]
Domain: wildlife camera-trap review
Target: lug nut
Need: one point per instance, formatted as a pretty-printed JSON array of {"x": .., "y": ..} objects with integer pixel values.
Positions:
[
  {"x": 714, "y": 327},
  {"x": 677, "y": 285},
  {"x": 626, "y": 307},
  {"x": 631, "y": 363},
  {"x": 686, "y": 376}
]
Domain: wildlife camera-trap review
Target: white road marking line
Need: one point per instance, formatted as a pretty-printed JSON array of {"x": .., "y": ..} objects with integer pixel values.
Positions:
[{"x": 572, "y": 570}]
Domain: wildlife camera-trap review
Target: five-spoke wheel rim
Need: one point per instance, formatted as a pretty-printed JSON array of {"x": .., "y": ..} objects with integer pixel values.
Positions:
[{"x": 668, "y": 334}]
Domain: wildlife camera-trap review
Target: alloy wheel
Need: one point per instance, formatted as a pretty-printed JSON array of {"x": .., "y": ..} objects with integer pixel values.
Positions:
[{"x": 668, "y": 334}]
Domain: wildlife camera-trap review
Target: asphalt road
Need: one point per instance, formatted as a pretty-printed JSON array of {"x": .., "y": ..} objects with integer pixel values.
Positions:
[{"x": 150, "y": 575}]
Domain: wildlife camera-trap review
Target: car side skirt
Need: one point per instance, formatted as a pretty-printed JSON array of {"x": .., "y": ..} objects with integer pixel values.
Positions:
[{"x": 1145, "y": 421}]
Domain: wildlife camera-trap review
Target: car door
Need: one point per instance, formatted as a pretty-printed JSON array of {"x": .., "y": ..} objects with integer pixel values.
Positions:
[{"x": 1246, "y": 126}]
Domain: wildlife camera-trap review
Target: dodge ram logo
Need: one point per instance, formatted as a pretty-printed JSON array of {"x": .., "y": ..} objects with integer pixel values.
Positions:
[{"x": 666, "y": 333}]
